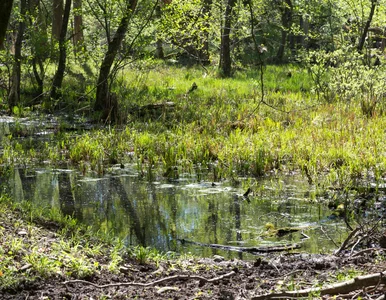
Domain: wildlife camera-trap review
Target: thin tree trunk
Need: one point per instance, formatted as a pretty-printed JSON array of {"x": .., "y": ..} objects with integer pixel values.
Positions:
[
  {"x": 57, "y": 17},
  {"x": 159, "y": 51},
  {"x": 102, "y": 101},
  {"x": 286, "y": 20},
  {"x": 374, "y": 4},
  {"x": 78, "y": 26},
  {"x": 58, "y": 78},
  {"x": 39, "y": 43},
  {"x": 206, "y": 11},
  {"x": 14, "y": 95},
  {"x": 225, "y": 55},
  {"x": 5, "y": 13}
]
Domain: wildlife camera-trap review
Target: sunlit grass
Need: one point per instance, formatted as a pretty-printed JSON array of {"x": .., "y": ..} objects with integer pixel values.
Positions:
[{"x": 224, "y": 125}]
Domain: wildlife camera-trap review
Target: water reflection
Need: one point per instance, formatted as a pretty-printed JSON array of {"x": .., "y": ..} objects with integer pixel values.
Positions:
[{"x": 158, "y": 214}]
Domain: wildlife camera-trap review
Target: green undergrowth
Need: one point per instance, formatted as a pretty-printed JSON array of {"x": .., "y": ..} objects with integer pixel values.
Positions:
[
  {"x": 225, "y": 127},
  {"x": 33, "y": 248}
]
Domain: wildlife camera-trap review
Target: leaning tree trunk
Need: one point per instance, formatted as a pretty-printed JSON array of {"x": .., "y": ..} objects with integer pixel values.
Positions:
[
  {"x": 103, "y": 98},
  {"x": 5, "y": 13},
  {"x": 286, "y": 20},
  {"x": 14, "y": 95},
  {"x": 225, "y": 55},
  {"x": 361, "y": 44},
  {"x": 58, "y": 78}
]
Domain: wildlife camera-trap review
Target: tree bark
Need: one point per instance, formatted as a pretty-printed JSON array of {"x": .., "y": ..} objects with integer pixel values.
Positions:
[
  {"x": 225, "y": 55},
  {"x": 58, "y": 78},
  {"x": 57, "y": 17},
  {"x": 361, "y": 44},
  {"x": 78, "y": 26},
  {"x": 5, "y": 13},
  {"x": 102, "y": 101},
  {"x": 14, "y": 95}
]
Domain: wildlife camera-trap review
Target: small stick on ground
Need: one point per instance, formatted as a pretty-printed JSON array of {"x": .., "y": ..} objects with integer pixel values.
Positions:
[{"x": 170, "y": 278}]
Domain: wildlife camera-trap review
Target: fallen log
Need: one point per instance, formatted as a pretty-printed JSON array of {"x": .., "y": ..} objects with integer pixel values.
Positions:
[
  {"x": 152, "y": 109},
  {"x": 345, "y": 287},
  {"x": 266, "y": 249}
]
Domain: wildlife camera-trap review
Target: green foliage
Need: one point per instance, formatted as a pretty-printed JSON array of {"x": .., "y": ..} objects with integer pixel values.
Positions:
[{"x": 344, "y": 75}]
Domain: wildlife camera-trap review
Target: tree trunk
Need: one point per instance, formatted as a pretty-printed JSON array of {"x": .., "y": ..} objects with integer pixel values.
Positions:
[
  {"x": 159, "y": 51},
  {"x": 102, "y": 101},
  {"x": 57, "y": 16},
  {"x": 5, "y": 13},
  {"x": 58, "y": 78},
  {"x": 206, "y": 11},
  {"x": 78, "y": 26},
  {"x": 39, "y": 41},
  {"x": 374, "y": 4},
  {"x": 286, "y": 20},
  {"x": 14, "y": 95},
  {"x": 225, "y": 55}
]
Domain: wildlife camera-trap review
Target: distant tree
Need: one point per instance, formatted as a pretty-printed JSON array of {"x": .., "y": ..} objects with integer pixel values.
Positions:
[
  {"x": 38, "y": 41},
  {"x": 225, "y": 49},
  {"x": 159, "y": 51},
  {"x": 78, "y": 37},
  {"x": 14, "y": 94},
  {"x": 285, "y": 7},
  {"x": 374, "y": 4},
  {"x": 58, "y": 77},
  {"x": 206, "y": 13},
  {"x": 5, "y": 13},
  {"x": 186, "y": 25}
]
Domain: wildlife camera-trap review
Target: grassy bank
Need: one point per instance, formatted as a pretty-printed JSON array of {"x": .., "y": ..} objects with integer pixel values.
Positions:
[{"x": 34, "y": 248}]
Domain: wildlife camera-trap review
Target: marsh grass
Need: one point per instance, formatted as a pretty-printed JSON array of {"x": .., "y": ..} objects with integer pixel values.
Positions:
[{"x": 224, "y": 123}]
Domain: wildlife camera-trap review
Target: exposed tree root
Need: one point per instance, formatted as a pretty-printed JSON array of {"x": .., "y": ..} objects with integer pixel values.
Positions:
[
  {"x": 335, "y": 289},
  {"x": 170, "y": 278}
]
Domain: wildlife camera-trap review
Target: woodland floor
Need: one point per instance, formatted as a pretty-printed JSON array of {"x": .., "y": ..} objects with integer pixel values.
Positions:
[{"x": 210, "y": 278}]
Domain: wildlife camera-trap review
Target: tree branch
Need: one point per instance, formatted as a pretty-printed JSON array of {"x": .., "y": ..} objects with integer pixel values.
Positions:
[
  {"x": 335, "y": 289},
  {"x": 176, "y": 277}
]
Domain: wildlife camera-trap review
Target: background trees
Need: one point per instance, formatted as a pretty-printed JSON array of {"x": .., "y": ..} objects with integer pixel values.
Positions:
[
  {"x": 5, "y": 13},
  {"x": 108, "y": 34}
]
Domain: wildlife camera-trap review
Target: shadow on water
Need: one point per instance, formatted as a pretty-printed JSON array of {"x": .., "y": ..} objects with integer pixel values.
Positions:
[{"x": 158, "y": 214}]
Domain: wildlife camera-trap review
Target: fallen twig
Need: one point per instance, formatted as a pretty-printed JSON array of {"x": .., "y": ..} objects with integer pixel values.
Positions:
[
  {"x": 367, "y": 250},
  {"x": 328, "y": 236},
  {"x": 176, "y": 277},
  {"x": 335, "y": 289}
]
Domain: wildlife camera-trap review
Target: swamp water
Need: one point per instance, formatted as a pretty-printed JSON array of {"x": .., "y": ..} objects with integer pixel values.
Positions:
[{"x": 160, "y": 214}]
